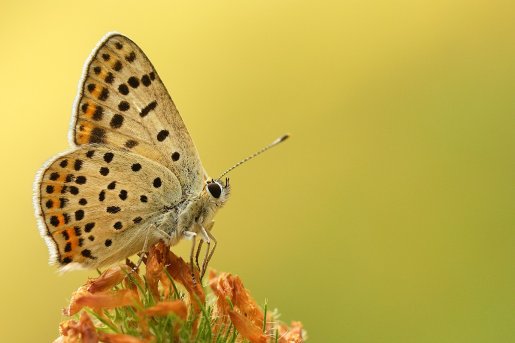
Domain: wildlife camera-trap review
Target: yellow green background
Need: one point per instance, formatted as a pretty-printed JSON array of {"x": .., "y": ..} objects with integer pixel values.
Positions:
[{"x": 388, "y": 216}]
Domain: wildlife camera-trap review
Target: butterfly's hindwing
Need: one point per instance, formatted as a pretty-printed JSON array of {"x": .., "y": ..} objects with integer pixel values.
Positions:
[
  {"x": 122, "y": 102},
  {"x": 96, "y": 203}
]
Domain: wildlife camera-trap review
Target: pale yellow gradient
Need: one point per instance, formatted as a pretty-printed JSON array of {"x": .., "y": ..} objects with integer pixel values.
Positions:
[{"x": 387, "y": 217}]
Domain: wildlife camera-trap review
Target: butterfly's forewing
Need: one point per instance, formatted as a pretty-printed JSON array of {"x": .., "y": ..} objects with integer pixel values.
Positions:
[
  {"x": 96, "y": 204},
  {"x": 122, "y": 102}
]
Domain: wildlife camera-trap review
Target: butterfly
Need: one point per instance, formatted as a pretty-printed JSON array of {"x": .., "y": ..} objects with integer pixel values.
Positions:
[{"x": 133, "y": 176}]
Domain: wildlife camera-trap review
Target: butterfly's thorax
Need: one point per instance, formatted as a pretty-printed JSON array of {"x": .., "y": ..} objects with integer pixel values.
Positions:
[
  {"x": 198, "y": 210},
  {"x": 193, "y": 213}
]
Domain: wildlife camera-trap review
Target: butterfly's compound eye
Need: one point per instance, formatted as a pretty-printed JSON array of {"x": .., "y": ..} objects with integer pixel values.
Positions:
[{"x": 214, "y": 189}]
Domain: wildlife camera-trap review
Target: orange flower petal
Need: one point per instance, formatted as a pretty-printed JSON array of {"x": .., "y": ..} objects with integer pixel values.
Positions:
[
  {"x": 246, "y": 328},
  {"x": 155, "y": 265},
  {"x": 81, "y": 332},
  {"x": 124, "y": 297},
  {"x": 246, "y": 304},
  {"x": 227, "y": 286},
  {"x": 167, "y": 285},
  {"x": 69, "y": 331},
  {"x": 181, "y": 272},
  {"x": 166, "y": 307},
  {"x": 108, "y": 279},
  {"x": 88, "y": 330},
  {"x": 74, "y": 308}
]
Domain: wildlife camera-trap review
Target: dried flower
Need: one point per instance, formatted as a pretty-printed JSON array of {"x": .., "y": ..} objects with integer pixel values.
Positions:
[
  {"x": 164, "y": 308},
  {"x": 167, "y": 304}
]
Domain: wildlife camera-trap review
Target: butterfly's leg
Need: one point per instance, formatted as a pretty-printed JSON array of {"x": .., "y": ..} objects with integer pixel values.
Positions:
[
  {"x": 208, "y": 237},
  {"x": 198, "y": 253},
  {"x": 206, "y": 261},
  {"x": 205, "y": 237},
  {"x": 193, "y": 235}
]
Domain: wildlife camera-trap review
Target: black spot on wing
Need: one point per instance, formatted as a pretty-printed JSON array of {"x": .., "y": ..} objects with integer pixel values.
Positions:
[
  {"x": 97, "y": 135},
  {"x": 89, "y": 226},
  {"x": 98, "y": 114},
  {"x": 130, "y": 57},
  {"x": 104, "y": 94},
  {"x": 109, "y": 78},
  {"x": 117, "y": 66},
  {"x": 123, "y": 89},
  {"x": 131, "y": 143},
  {"x": 79, "y": 214},
  {"x": 123, "y": 194},
  {"x": 133, "y": 82},
  {"x": 145, "y": 80},
  {"x": 77, "y": 165},
  {"x": 117, "y": 121},
  {"x": 104, "y": 171},
  {"x": 123, "y": 105},
  {"x": 87, "y": 253},
  {"x": 161, "y": 136},
  {"x": 54, "y": 221},
  {"x": 113, "y": 209},
  {"x": 145, "y": 110},
  {"x": 108, "y": 157}
]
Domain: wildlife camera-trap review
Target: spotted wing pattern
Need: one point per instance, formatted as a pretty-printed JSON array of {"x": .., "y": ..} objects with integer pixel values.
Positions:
[
  {"x": 96, "y": 203},
  {"x": 122, "y": 102}
]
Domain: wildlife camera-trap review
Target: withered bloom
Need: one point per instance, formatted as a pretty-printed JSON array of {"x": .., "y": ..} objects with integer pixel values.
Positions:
[
  {"x": 82, "y": 331},
  {"x": 165, "y": 303}
]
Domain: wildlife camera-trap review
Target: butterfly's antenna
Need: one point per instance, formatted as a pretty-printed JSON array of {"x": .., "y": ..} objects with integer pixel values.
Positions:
[{"x": 259, "y": 152}]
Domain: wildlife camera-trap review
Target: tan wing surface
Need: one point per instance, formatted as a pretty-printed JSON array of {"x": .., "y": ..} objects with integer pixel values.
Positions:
[
  {"x": 122, "y": 102},
  {"x": 95, "y": 204}
]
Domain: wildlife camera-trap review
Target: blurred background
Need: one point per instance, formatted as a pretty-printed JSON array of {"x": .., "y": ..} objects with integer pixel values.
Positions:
[{"x": 387, "y": 217}]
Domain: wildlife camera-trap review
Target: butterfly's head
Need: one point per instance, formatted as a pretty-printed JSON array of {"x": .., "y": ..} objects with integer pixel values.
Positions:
[{"x": 217, "y": 191}]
